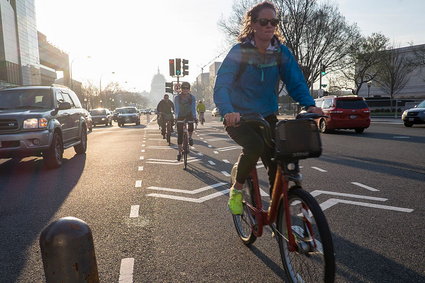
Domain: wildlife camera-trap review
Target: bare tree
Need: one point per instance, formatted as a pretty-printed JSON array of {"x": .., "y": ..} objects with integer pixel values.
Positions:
[
  {"x": 317, "y": 34},
  {"x": 363, "y": 60},
  {"x": 394, "y": 70}
]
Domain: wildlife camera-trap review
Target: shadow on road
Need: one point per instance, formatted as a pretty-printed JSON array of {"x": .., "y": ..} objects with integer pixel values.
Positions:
[
  {"x": 369, "y": 266},
  {"x": 30, "y": 196}
]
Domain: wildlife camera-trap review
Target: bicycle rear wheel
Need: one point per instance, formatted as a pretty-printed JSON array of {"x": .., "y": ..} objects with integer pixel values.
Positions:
[
  {"x": 245, "y": 223},
  {"x": 314, "y": 259},
  {"x": 169, "y": 132}
]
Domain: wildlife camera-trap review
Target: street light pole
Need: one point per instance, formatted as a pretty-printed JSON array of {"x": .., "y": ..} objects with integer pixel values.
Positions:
[{"x": 369, "y": 83}]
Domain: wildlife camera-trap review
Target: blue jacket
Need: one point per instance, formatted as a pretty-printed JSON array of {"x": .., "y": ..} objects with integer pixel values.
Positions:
[
  {"x": 177, "y": 106},
  {"x": 255, "y": 91}
]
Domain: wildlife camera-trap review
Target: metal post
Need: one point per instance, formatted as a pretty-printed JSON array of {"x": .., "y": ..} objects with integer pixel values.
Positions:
[{"x": 67, "y": 251}]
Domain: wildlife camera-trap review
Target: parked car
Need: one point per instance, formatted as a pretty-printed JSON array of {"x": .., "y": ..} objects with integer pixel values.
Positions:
[
  {"x": 215, "y": 112},
  {"x": 128, "y": 115},
  {"x": 344, "y": 112},
  {"x": 414, "y": 115},
  {"x": 41, "y": 121},
  {"x": 101, "y": 116},
  {"x": 89, "y": 120}
]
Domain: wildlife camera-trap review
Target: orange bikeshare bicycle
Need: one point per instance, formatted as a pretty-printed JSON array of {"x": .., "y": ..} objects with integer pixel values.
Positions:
[{"x": 296, "y": 219}]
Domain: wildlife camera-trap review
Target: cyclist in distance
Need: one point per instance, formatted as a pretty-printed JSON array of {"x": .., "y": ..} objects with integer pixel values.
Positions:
[
  {"x": 184, "y": 109},
  {"x": 200, "y": 108},
  {"x": 164, "y": 109},
  {"x": 247, "y": 82}
]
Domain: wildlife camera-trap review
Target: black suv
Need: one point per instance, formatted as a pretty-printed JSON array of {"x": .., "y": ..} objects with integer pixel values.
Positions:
[
  {"x": 41, "y": 121},
  {"x": 101, "y": 116}
]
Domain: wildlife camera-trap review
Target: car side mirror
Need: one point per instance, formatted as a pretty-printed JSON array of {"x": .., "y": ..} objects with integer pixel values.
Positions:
[{"x": 64, "y": 106}]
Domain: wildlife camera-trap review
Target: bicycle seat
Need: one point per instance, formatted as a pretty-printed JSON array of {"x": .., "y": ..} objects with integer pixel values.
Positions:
[{"x": 259, "y": 122}]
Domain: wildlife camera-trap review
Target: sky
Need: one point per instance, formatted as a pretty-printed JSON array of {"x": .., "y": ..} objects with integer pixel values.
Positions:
[{"x": 127, "y": 41}]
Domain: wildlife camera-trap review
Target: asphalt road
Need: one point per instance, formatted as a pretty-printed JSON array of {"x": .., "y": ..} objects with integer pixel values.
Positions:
[{"x": 154, "y": 222}]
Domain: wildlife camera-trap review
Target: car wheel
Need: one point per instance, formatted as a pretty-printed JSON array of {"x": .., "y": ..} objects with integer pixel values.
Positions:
[
  {"x": 359, "y": 130},
  {"x": 53, "y": 156},
  {"x": 82, "y": 146},
  {"x": 408, "y": 124},
  {"x": 323, "y": 126}
]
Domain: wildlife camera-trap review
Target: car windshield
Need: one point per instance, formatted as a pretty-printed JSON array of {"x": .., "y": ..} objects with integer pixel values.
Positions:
[
  {"x": 126, "y": 110},
  {"x": 98, "y": 112},
  {"x": 351, "y": 104},
  {"x": 26, "y": 99},
  {"x": 421, "y": 105}
]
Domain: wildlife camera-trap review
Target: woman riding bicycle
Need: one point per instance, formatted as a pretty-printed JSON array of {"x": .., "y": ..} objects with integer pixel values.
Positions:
[
  {"x": 247, "y": 82},
  {"x": 184, "y": 109}
]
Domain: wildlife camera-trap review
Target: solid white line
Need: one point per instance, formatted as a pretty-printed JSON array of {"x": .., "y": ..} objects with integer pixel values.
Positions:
[
  {"x": 226, "y": 161},
  {"x": 319, "y": 169},
  {"x": 319, "y": 192},
  {"x": 168, "y": 160},
  {"x": 134, "y": 211},
  {"x": 138, "y": 184},
  {"x": 143, "y": 150},
  {"x": 365, "y": 187},
  {"x": 142, "y": 158},
  {"x": 196, "y": 200},
  {"x": 218, "y": 139},
  {"x": 172, "y": 163},
  {"x": 206, "y": 188},
  {"x": 225, "y": 173},
  {"x": 126, "y": 270},
  {"x": 140, "y": 168},
  {"x": 331, "y": 202},
  {"x": 211, "y": 162},
  {"x": 215, "y": 151}
]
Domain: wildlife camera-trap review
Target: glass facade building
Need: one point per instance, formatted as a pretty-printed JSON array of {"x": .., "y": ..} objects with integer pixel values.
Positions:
[{"x": 19, "y": 54}]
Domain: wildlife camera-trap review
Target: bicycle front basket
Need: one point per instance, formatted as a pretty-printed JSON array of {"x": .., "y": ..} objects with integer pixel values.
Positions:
[{"x": 297, "y": 139}]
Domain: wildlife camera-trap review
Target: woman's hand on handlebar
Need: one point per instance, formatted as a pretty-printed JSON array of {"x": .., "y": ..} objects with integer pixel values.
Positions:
[
  {"x": 232, "y": 119},
  {"x": 314, "y": 109}
]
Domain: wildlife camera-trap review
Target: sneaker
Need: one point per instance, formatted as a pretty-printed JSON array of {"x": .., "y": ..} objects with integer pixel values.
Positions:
[
  {"x": 190, "y": 141},
  {"x": 235, "y": 201},
  {"x": 179, "y": 157}
]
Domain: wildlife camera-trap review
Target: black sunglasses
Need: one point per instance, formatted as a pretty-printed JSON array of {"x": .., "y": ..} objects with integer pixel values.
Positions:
[{"x": 265, "y": 22}]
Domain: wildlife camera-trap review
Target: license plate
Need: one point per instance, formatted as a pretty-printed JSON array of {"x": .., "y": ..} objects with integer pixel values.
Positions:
[
  {"x": 353, "y": 116},
  {"x": 410, "y": 119}
]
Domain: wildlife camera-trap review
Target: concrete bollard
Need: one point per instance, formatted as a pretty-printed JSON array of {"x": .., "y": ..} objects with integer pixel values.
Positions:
[{"x": 67, "y": 251}]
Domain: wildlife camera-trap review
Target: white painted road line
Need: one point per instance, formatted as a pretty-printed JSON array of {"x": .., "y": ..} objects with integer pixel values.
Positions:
[
  {"x": 200, "y": 153},
  {"x": 174, "y": 162},
  {"x": 209, "y": 146},
  {"x": 143, "y": 145},
  {"x": 215, "y": 152},
  {"x": 225, "y": 173},
  {"x": 134, "y": 211},
  {"x": 140, "y": 168},
  {"x": 229, "y": 148},
  {"x": 196, "y": 200},
  {"x": 142, "y": 158},
  {"x": 126, "y": 270},
  {"x": 226, "y": 161},
  {"x": 331, "y": 202},
  {"x": 197, "y": 191},
  {"x": 319, "y": 169},
  {"x": 319, "y": 192},
  {"x": 138, "y": 184},
  {"x": 365, "y": 187},
  {"x": 211, "y": 162},
  {"x": 143, "y": 150}
]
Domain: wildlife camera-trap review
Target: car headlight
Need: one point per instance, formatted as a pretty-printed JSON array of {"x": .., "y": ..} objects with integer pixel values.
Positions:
[{"x": 35, "y": 123}]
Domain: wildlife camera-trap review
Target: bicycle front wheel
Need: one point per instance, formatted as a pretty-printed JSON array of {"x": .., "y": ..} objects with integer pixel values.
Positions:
[
  {"x": 313, "y": 260},
  {"x": 185, "y": 149},
  {"x": 245, "y": 223}
]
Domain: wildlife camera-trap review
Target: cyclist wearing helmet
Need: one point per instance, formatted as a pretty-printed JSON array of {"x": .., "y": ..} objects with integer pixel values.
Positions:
[
  {"x": 200, "y": 108},
  {"x": 184, "y": 109},
  {"x": 247, "y": 83}
]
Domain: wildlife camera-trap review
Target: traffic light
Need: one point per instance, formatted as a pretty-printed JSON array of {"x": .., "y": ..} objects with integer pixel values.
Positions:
[
  {"x": 178, "y": 66},
  {"x": 323, "y": 70},
  {"x": 171, "y": 63},
  {"x": 185, "y": 67},
  {"x": 169, "y": 87}
]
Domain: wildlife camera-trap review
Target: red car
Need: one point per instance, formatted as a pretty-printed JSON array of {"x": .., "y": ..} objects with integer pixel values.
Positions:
[{"x": 344, "y": 112}]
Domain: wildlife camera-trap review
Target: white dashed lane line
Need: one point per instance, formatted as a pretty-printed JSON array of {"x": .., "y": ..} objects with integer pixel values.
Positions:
[
  {"x": 126, "y": 270},
  {"x": 226, "y": 161},
  {"x": 365, "y": 187},
  {"x": 140, "y": 168},
  {"x": 211, "y": 162},
  {"x": 142, "y": 158},
  {"x": 138, "y": 184},
  {"x": 225, "y": 173},
  {"x": 319, "y": 169},
  {"x": 134, "y": 211},
  {"x": 215, "y": 152}
]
